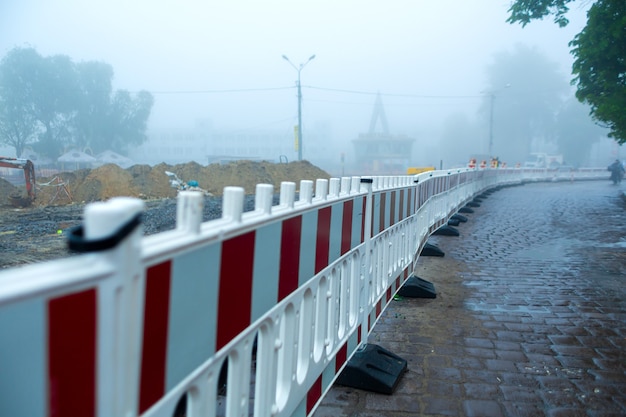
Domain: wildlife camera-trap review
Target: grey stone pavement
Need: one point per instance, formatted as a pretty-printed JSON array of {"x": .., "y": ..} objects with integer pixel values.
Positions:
[{"x": 530, "y": 314}]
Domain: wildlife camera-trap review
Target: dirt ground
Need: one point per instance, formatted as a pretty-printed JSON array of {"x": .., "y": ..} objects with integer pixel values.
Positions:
[{"x": 36, "y": 233}]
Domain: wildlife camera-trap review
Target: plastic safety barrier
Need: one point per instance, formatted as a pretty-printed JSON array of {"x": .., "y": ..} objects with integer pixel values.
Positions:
[{"x": 255, "y": 313}]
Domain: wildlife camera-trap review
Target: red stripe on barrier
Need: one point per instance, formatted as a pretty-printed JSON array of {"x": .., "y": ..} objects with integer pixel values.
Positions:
[
  {"x": 322, "y": 244},
  {"x": 381, "y": 217},
  {"x": 72, "y": 354},
  {"x": 289, "y": 256},
  {"x": 346, "y": 227},
  {"x": 393, "y": 208},
  {"x": 378, "y": 308},
  {"x": 340, "y": 358},
  {"x": 358, "y": 336},
  {"x": 418, "y": 197},
  {"x": 388, "y": 295},
  {"x": 398, "y": 281},
  {"x": 363, "y": 220},
  {"x": 235, "y": 292},
  {"x": 403, "y": 214},
  {"x": 373, "y": 217},
  {"x": 155, "y": 329},
  {"x": 314, "y": 394}
]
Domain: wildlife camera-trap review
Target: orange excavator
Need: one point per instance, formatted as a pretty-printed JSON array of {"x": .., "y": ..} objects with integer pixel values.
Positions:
[{"x": 29, "y": 176}]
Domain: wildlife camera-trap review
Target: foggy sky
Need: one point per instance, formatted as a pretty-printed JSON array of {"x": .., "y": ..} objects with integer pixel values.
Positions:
[{"x": 183, "y": 52}]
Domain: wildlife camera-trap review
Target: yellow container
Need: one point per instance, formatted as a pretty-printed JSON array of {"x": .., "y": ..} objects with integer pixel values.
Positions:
[{"x": 418, "y": 170}]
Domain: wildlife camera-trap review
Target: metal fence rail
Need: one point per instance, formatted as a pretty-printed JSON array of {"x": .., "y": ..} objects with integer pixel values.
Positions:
[{"x": 254, "y": 313}]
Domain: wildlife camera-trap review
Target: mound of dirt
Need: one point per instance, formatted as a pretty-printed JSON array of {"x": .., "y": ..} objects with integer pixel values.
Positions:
[
  {"x": 6, "y": 188},
  {"x": 143, "y": 181}
]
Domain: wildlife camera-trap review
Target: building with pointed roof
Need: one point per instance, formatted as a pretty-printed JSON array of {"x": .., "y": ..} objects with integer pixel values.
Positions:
[{"x": 378, "y": 152}]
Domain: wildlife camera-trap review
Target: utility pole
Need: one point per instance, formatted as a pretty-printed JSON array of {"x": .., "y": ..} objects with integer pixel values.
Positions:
[
  {"x": 299, "y": 117},
  {"x": 299, "y": 69},
  {"x": 493, "y": 98}
]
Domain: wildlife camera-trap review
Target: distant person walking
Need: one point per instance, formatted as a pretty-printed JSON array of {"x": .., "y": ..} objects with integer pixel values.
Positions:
[{"x": 617, "y": 171}]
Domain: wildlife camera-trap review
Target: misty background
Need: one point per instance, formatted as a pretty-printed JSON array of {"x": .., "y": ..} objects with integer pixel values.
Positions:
[{"x": 222, "y": 89}]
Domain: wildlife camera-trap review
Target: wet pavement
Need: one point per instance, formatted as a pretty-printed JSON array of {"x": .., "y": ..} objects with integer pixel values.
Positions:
[{"x": 530, "y": 314}]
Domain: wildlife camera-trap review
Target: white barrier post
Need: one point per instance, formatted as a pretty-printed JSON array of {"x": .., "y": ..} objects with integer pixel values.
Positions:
[
  {"x": 189, "y": 206},
  {"x": 263, "y": 198},
  {"x": 371, "y": 367},
  {"x": 121, "y": 301},
  {"x": 366, "y": 276}
]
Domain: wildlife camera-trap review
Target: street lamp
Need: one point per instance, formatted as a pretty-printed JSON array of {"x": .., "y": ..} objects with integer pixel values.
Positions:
[
  {"x": 299, "y": 68},
  {"x": 492, "y": 95}
]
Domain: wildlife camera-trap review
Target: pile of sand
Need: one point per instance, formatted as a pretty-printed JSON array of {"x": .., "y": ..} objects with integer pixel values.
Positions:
[{"x": 147, "y": 182}]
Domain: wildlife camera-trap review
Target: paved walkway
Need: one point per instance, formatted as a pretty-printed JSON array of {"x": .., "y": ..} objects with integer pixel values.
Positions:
[{"x": 530, "y": 314}]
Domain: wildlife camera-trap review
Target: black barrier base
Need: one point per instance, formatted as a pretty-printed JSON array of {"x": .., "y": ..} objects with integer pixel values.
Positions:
[
  {"x": 459, "y": 217},
  {"x": 465, "y": 210},
  {"x": 431, "y": 250},
  {"x": 416, "y": 287},
  {"x": 446, "y": 231},
  {"x": 473, "y": 204},
  {"x": 373, "y": 368},
  {"x": 453, "y": 222}
]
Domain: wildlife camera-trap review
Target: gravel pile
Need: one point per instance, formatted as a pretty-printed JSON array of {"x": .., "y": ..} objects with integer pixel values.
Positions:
[{"x": 161, "y": 215}]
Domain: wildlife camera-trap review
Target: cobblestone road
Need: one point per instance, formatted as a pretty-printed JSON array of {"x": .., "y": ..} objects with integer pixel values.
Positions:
[{"x": 530, "y": 314}]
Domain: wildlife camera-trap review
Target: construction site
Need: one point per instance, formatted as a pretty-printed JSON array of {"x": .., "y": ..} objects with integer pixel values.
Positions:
[{"x": 36, "y": 212}]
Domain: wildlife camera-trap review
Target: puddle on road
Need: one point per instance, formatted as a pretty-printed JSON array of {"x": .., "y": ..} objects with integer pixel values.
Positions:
[
  {"x": 616, "y": 245},
  {"x": 555, "y": 249},
  {"x": 497, "y": 308}
]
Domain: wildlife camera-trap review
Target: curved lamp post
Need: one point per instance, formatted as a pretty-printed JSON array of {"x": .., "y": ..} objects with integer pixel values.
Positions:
[{"x": 299, "y": 68}]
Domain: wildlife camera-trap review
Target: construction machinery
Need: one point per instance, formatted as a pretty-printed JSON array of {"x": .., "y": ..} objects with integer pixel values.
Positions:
[{"x": 29, "y": 177}]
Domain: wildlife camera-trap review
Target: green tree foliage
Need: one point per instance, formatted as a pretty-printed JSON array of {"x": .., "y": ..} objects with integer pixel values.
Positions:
[
  {"x": 56, "y": 105},
  {"x": 17, "y": 128},
  {"x": 523, "y": 11},
  {"x": 18, "y": 125},
  {"x": 599, "y": 50},
  {"x": 53, "y": 101},
  {"x": 600, "y": 67},
  {"x": 525, "y": 93},
  {"x": 128, "y": 118},
  {"x": 91, "y": 121}
]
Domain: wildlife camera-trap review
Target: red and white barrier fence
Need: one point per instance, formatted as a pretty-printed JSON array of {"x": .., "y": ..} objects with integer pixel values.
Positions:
[{"x": 284, "y": 295}]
